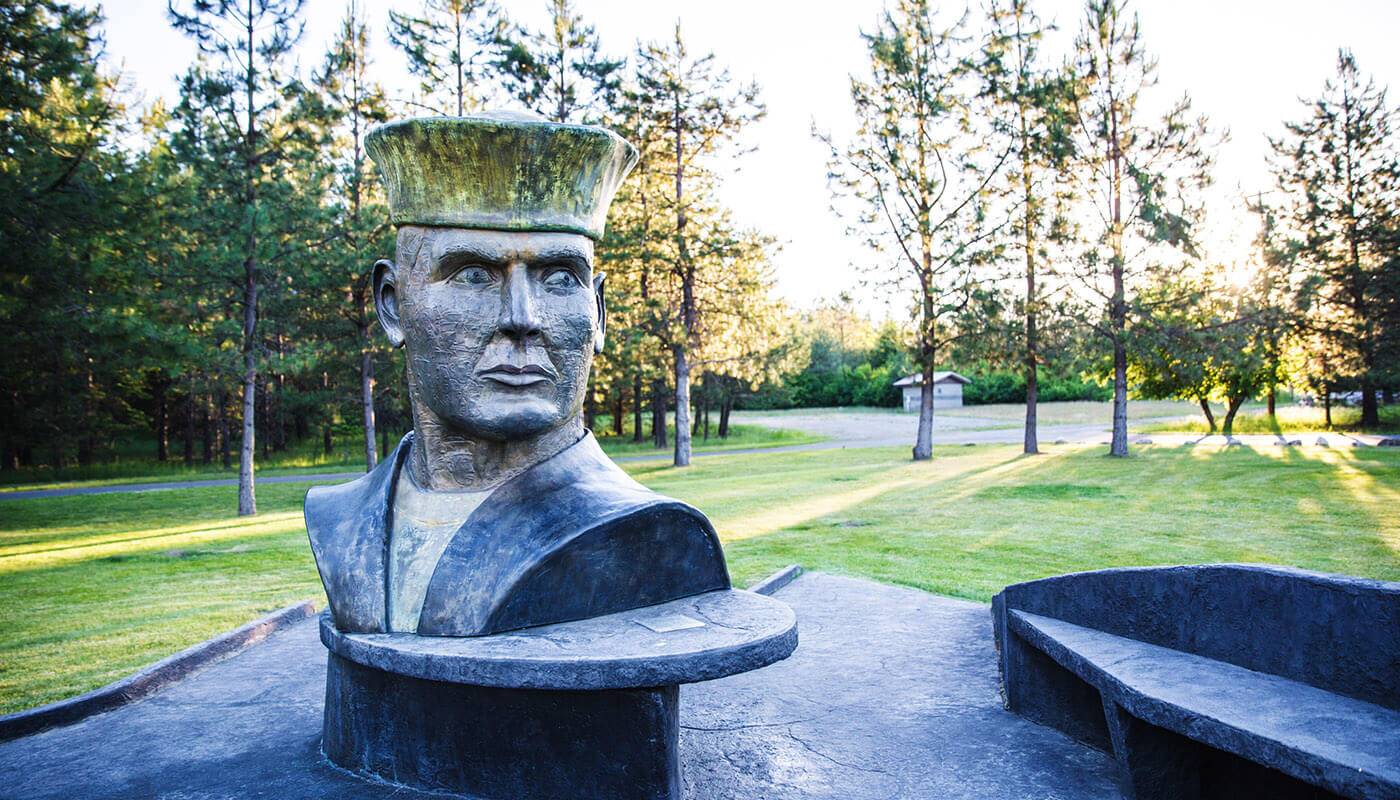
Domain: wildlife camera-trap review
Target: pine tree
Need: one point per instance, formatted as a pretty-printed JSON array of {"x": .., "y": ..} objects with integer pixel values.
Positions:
[
  {"x": 919, "y": 175},
  {"x": 1030, "y": 103},
  {"x": 560, "y": 72},
  {"x": 249, "y": 42},
  {"x": 699, "y": 114},
  {"x": 1140, "y": 176},
  {"x": 64, "y": 244},
  {"x": 355, "y": 102},
  {"x": 448, "y": 47},
  {"x": 1340, "y": 169}
]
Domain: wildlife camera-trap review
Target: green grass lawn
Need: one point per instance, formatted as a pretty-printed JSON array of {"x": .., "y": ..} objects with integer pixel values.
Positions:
[
  {"x": 1287, "y": 419},
  {"x": 308, "y": 458},
  {"x": 96, "y": 587}
]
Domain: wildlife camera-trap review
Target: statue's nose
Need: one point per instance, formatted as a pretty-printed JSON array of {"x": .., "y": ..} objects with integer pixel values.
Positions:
[{"x": 518, "y": 317}]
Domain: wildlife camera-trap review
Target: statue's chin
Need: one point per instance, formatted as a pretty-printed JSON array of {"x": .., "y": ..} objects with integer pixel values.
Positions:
[{"x": 523, "y": 419}]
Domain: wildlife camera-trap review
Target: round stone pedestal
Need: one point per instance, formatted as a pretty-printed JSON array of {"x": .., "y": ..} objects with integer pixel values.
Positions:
[{"x": 578, "y": 709}]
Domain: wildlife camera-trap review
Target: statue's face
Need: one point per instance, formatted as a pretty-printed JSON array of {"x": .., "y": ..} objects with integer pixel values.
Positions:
[{"x": 500, "y": 328}]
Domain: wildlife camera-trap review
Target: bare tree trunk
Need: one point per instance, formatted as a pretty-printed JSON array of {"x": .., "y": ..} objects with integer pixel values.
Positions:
[
  {"x": 1370, "y": 410},
  {"x": 1210, "y": 415},
  {"x": 637, "y": 407},
  {"x": 682, "y": 449},
  {"x": 206, "y": 429},
  {"x": 189, "y": 427},
  {"x": 705, "y": 414},
  {"x": 1119, "y": 445},
  {"x": 1030, "y": 444},
  {"x": 162, "y": 422},
  {"x": 1233, "y": 407},
  {"x": 658, "y": 414},
  {"x": 725, "y": 407},
  {"x": 1273, "y": 396},
  {"x": 367, "y": 406},
  {"x": 619, "y": 411},
  {"x": 225, "y": 440},
  {"x": 1327, "y": 404},
  {"x": 247, "y": 450},
  {"x": 923, "y": 441}
]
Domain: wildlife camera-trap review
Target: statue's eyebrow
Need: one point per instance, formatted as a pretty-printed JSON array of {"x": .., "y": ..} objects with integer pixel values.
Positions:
[
  {"x": 565, "y": 255},
  {"x": 455, "y": 255}
]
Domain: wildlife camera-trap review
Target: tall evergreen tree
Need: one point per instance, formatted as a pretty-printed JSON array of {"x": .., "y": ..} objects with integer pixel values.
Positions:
[
  {"x": 249, "y": 42},
  {"x": 1340, "y": 169},
  {"x": 560, "y": 72},
  {"x": 449, "y": 45},
  {"x": 64, "y": 275},
  {"x": 1139, "y": 175},
  {"x": 355, "y": 102},
  {"x": 920, "y": 176},
  {"x": 1031, "y": 108},
  {"x": 701, "y": 114}
]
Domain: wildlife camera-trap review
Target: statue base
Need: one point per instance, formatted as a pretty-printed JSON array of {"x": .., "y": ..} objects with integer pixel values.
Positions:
[
  {"x": 500, "y": 743},
  {"x": 578, "y": 709}
]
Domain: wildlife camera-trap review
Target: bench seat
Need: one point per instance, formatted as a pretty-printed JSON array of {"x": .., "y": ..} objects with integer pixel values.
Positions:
[{"x": 1347, "y": 746}]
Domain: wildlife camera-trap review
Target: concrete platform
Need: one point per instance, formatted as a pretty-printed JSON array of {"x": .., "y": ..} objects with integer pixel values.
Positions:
[{"x": 892, "y": 693}]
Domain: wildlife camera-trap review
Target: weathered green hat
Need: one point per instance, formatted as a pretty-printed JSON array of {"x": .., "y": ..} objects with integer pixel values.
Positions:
[{"x": 500, "y": 171}]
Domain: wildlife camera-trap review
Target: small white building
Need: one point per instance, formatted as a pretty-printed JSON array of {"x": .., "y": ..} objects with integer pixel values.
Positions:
[{"x": 947, "y": 390}]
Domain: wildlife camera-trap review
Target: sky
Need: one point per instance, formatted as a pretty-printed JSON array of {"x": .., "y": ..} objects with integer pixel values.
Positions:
[{"x": 1245, "y": 64}]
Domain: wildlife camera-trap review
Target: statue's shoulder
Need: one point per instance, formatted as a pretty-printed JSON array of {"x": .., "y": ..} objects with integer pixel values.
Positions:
[
  {"x": 346, "y": 524},
  {"x": 582, "y": 490},
  {"x": 330, "y": 508}
]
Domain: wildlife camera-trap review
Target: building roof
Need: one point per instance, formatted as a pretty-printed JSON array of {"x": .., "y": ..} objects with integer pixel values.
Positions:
[{"x": 945, "y": 376}]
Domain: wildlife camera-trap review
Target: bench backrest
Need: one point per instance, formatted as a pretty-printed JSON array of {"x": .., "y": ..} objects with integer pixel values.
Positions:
[{"x": 1334, "y": 632}]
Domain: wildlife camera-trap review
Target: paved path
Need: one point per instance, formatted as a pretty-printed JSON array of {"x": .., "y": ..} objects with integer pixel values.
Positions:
[{"x": 892, "y": 693}]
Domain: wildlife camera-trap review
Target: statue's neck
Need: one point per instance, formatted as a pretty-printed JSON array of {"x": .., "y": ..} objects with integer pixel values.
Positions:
[{"x": 446, "y": 460}]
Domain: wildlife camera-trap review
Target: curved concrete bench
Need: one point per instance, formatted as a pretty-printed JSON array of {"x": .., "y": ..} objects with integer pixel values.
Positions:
[
  {"x": 576, "y": 709},
  {"x": 1214, "y": 681}
]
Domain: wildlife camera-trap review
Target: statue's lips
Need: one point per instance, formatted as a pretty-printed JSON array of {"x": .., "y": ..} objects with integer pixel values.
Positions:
[{"x": 511, "y": 375}]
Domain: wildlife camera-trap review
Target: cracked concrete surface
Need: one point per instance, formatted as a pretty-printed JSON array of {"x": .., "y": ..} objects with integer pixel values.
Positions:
[{"x": 892, "y": 693}]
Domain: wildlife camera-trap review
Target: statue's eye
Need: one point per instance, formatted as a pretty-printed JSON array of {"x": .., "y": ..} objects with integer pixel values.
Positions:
[
  {"x": 560, "y": 279},
  {"x": 476, "y": 276}
]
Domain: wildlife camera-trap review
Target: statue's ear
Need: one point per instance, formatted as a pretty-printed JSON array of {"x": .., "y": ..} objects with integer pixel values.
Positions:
[
  {"x": 386, "y": 300},
  {"x": 602, "y": 325}
]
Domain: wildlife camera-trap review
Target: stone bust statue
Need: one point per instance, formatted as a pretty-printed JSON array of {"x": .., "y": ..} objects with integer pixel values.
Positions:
[{"x": 499, "y": 511}]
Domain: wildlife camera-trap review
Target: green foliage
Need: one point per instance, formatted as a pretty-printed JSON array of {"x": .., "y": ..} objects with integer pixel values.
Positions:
[
  {"x": 448, "y": 46},
  {"x": 916, "y": 177},
  {"x": 1001, "y": 386},
  {"x": 73, "y": 311},
  {"x": 1339, "y": 171},
  {"x": 561, "y": 72}
]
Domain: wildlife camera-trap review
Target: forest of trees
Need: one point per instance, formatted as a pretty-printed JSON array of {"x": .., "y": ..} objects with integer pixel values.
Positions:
[{"x": 195, "y": 273}]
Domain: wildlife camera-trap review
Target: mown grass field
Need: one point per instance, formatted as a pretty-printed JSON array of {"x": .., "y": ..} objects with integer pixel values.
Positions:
[{"x": 96, "y": 587}]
